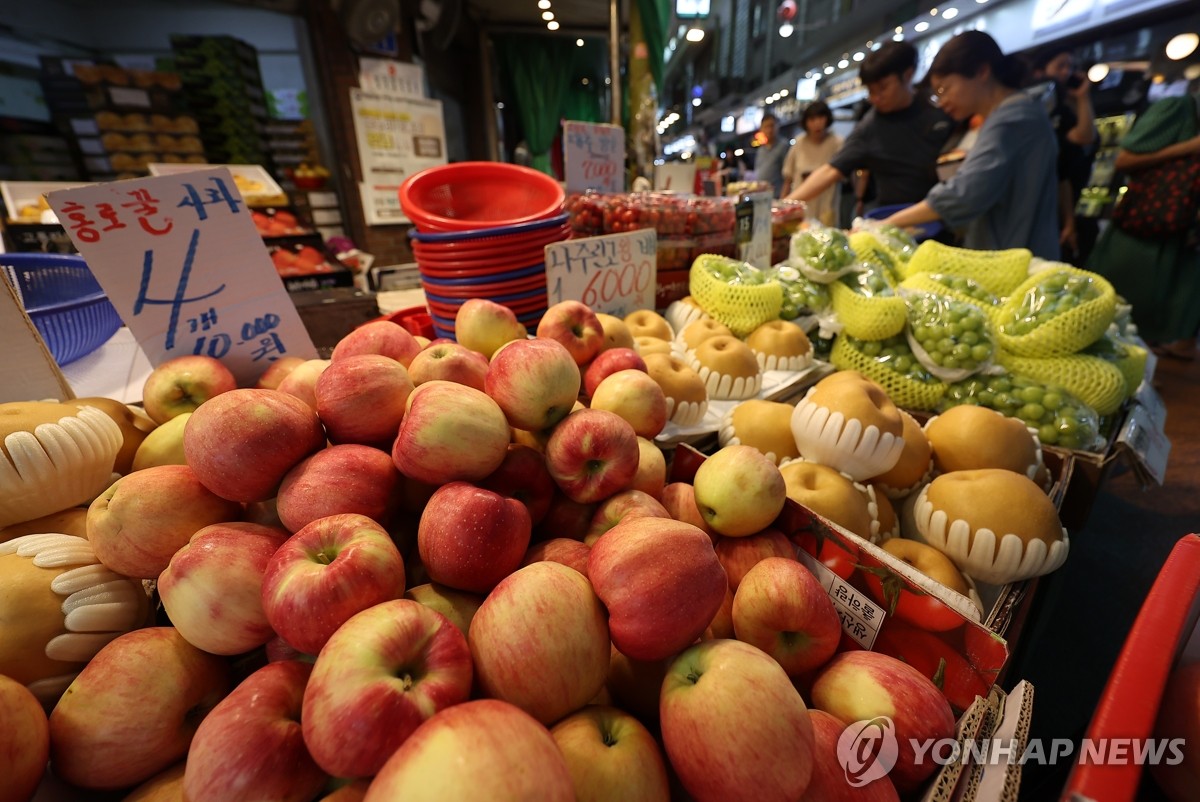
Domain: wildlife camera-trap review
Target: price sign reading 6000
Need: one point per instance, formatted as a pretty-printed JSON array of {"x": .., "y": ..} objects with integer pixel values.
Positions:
[{"x": 614, "y": 274}]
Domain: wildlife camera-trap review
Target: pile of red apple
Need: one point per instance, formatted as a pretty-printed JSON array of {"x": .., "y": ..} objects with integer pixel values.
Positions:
[{"x": 430, "y": 571}]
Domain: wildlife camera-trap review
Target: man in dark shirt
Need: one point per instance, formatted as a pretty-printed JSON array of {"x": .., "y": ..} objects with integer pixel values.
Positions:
[{"x": 899, "y": 139}]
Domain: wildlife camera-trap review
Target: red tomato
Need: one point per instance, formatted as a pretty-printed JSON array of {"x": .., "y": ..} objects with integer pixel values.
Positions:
[
  {"x": 905, "y": 603},
  {"x": 838, "y": 556},
  {"x": 935, "y": 658}
]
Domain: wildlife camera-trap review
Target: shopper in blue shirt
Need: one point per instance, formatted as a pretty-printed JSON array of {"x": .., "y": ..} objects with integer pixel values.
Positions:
[
  {"x": 770, "y": 155},
  {"x": 1005, "y": 194}
]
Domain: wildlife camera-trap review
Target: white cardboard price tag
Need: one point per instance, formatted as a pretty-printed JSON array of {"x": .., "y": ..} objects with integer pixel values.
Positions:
[
  {"x": 594, "y": 156},
  {"x": 186, "y": 269},
  {"x": 861, "y": 617},
  {"x": 1142, "y": 435},
  {"x": 614, "y": 273}
]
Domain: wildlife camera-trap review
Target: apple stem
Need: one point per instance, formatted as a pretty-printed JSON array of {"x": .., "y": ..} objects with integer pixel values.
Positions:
[
  {"x": 609, "y": 740},
  {"x": 325, "y": 556},
  {"x": 594, "y": 465}
]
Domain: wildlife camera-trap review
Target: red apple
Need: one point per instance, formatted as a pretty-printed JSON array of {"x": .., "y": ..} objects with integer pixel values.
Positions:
[
  {"x": 381, "y": 337},
  {"x": 626, "y": 504},
  {"x": 829, "y": 780},
  {"x": 212, "y": 590},
  {"x": 651, "y": 476},
  {"x": 635, "y": 685},
  {"x": 133, "y": 709},
  {"x": 1179, "y": 717},
  {"x": 449, "y": 362},
  {"x": 450, "y": 432},
  {"x": 302, "y": 381},
  {"x": 243, "y": 442},
  {"x": 540, "y": 641},
  {"x": 523, "y": 475},
  {"x": 739, "y": 491},
  {"x": 277, "y": 650},
  {"x": 276, "y": 372},
  {"x": 24, "y": 741},
  {"x": 458, "y": 607},
  {"x": 325, "y": 573},
  {"x": 637, "y": 398},
  {"x": 860, "y": 686},
  {"x": 611, "y": 756},
  {"x": 497, "y": 737},
  {"x": 739, "y": 554},
  {"x": 576, "y": 326},
  {"x": 661, "y": 582},
  {"x": 339, "y": 479},
  {"x": 382, "y": 674},
  {"x": 680, "y": 500},
  {"x": 733, "y": 726},
  {"x": 250, "y": 746},
  {"x": 721, "y": 626},
  {"x": 782, "y": 609},
  {"x": 138, "y": 523},
  {"x": 484, "y": 326},
  {"x": 361, "y": 399},
  {"x": 470, "y": 538},
  {"x": 570, "y": 553},
  {"x": 592, "y": 454},
  {"x": 182, "y": 384},
  {"x": 609, "y": 362},
  {"x": 166, "y": 786},
  {"x": 565, "y": 518},
  {"x": 535, "y": 382}
]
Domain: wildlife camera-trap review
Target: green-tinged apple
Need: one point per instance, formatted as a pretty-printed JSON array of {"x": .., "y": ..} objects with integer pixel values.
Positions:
[
  {"x": 829, "y": 780},
  {"x": 637, "y": 398},
  {"x": 361, "y": 399},
  {"x": 302, "y": 381},
  {"x": 626, "y": 504},
  {"x": 721, "y": 627},
  {"x": 1179, "y": 717},
  {"x": 523, "y": 475},
  {"x": 511, "y": 757},
  {"x": 458, "y": 606},
  {"x": 540, "y": 641},
  {"x": 450, "y": 362},
  {"x": 609, "y": 362},
  {"x": 739, "y": 491},
  {"x": 138, "y": 523},
  {"x": 680, "y": 500},
  {"x": 611, "y": 756},
  {"x": 382, "y": 674},
  {"x": 470, "y": 538},
  {"x": 450, "y": 432},
  {"x": 182, "y": 384},
  {"x": 739, "y": 554},
  {"x": 536, "y": 382},
  {"x": 576, "y": 326},
  {"x": 212, "y": 589},
  {"x": 484, "y": 326},
  {"x": 635, "y": 685},
  {"x": 860, "y": 686},
  {"x": 733, "y": 726},
  {"x": 166, "y": 786},
  {"x": 242, "y": 443},
  {"x": 339, "y": 479},
  {"x": 781, "y": 608},
  {"x": 592, "y": 455},
  {"x": 250, "y": 746},
  {"x": 276, "y": 372},
  {"x": 651, "y": 476},
  {"x": 381, "y": 337},
  {"x": 571, "y": 553},
  {"x": 661, "y": 582},
  {"x": 327, "y": 572},
  {"x": 24, "y": 741},
  {"x": 133, "y": 709},
  {"x": 163, "y": 446}
]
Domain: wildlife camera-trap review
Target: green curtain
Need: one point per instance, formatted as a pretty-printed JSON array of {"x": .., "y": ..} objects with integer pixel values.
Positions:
[
  {"x": 655, "y": 17},
  {"x": 538, "y": 72},
  {"x": 583, "y": 100}
]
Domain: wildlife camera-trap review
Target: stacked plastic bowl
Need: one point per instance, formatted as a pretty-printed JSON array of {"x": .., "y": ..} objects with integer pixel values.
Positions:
[{"x": 480, "y": 229}]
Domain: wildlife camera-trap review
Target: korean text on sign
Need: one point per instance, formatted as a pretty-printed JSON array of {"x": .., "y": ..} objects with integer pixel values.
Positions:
[{"x": 614, "y": 273}]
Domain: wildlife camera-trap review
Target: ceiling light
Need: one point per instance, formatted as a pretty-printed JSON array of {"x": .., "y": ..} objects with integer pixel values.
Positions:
[
  {"x": 552, "y": 25},
  {"x": 579, "y": 43},
  {"x": 786, "y": 30},
  {"x": 898, "y": 37},
  {"x": 695, "y": 101},
  {"x": 899, "y": 29},
  {"x": 586, "y": 81},
  {"x": 1097, "y": 73},
  {"x": 783, "y": 93},
  {"x": 859, "y": 56},
  {"x": 1192, "y": 72},
  {"x": 607, "y": 81},
  {"x": 791, "y": 141},
  {"x": 843, "y": 64},
  {"x": 933, "y": 12},
  {"x": 920, "y": 27},
  {"x": 500, "y": 105},
  {"x": 981, "y": 2},
  {"x": 739, "y": 152},
  {"x": 543, "y": 4},
  {"x": 769, "y": 101},
  {"x": 723, "y": 154},
  {"x": 547, "y": 15},
  {"x": 695, "y": 35},
  {"x": 950, "y": 13},
  {"x": 686, "y": 155},
  {"x": 1182, "y": 46},
  {"x": 829, "y": 69}
]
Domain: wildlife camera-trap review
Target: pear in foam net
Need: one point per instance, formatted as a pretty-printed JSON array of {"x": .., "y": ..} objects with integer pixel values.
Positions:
[
  {"x": 847, "y": 422},
  {"x": 765, "y": 425},
  {"x": 728, "y": 368}
]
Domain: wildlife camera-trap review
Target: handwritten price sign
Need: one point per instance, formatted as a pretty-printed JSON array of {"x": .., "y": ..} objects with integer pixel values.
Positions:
[
  {"x": 184, "y": 266},
  {"x": 594, "y": 156},
  {"x": 614, "y": 274}
]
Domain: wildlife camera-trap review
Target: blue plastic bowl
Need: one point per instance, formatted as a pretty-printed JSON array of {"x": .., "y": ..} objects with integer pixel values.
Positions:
[
  {"x": 64, "y": 301},
  {"x": 489, "y": 233}
]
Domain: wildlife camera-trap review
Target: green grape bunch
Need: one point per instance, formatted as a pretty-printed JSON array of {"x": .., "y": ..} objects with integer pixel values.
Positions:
[
  {"x": 954, "y": 334},
  {"x": 1058, "y": 417},
  {"x": 870, "y": 282},
  {"x": 800, "y": 294},
  {"x": 732, "y": 271},
  {"x": 895, "y": 353},
  {"x": 1056, "y": 294},
  {"x": 900, "y": 241},
  {"x": 966, "y": 286},
  {"x": 824, "y": 249}
]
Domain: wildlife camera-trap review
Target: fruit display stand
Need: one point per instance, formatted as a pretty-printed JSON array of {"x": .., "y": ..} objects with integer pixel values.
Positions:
[{"x": 29, "y": 225}]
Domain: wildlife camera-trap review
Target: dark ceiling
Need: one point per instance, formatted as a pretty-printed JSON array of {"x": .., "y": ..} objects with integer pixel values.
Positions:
[{"x": 572, "y": 15}]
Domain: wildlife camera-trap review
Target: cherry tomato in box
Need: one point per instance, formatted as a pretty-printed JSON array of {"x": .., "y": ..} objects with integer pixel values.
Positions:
[{"x": 907, "y": 604}]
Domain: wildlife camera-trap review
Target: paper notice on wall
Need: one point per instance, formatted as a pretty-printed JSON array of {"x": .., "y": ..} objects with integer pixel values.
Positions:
[
  {"x": 397, "y": 137},
  {"x": 594, "y": 156},
  {"x": 385, "y": 76},
  {"x": 381, "y": 204},
  {"x": 186, "y": 269}
]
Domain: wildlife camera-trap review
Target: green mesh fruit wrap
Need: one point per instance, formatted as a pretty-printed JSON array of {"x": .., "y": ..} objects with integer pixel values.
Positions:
[
  {"x": 1058, "y": 417},
  {"x": 1094, "y": 381},
  {"x": 867, "y": 306},
  {"x": 1000, "y": 272},
  {"x": 801, "y": 295},
  {"x": 891, "y": 364},
  {"x": 960, "y": 288},
  {"x": 873, "y": 250},
  {"x": 734, "y": 293},
  {"x": 1056, "y": 312},
  {"x": 1129, "y": 357}
]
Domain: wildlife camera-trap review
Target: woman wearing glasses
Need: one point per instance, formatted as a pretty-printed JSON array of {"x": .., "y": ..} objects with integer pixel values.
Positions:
[{"x": 1005, "y": 193}]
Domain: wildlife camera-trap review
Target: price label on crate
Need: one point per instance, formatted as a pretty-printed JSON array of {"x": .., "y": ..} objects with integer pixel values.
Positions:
[
  {"x": 186, "y": 269},
  {"x": 614, "y": 274},
  {"x": 861, "y": 617}
]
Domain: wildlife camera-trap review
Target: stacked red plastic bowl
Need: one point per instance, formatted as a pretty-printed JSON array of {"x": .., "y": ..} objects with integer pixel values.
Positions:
[{"x": 480, "y": 230}]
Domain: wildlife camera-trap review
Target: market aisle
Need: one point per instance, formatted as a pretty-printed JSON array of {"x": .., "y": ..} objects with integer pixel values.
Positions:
[{"x": 1085, "y": 610}]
